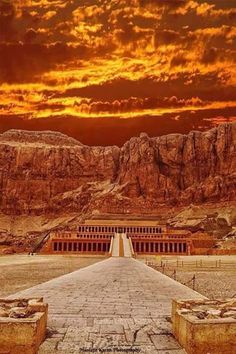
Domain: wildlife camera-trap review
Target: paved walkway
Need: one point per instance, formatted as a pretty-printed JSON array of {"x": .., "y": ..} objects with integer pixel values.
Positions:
[{"x": 117, "y": 303}]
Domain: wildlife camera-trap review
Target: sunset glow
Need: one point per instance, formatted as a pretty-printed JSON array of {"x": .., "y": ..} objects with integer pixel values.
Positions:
[{"x": 134, "y": 59}]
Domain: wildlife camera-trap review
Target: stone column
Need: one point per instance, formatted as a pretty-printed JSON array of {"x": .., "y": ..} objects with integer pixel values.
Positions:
[{"x": 188, "y": 249}]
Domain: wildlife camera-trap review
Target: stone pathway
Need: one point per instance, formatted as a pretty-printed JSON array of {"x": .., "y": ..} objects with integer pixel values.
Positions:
[{"x": 118, "y": 305}]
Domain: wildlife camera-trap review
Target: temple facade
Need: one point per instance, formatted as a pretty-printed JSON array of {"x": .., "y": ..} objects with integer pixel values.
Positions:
[{"x": 96, "y": 237}]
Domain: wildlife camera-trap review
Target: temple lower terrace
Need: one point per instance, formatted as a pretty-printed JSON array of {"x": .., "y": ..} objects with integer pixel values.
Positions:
[{"x": 99, "y": 237}]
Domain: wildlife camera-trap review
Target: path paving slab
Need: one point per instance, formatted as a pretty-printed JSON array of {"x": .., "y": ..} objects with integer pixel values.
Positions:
[{"x": 114, "y": 305}]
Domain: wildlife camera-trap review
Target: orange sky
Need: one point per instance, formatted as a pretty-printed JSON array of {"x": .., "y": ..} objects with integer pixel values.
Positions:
[{"x": 148, "y": 65}]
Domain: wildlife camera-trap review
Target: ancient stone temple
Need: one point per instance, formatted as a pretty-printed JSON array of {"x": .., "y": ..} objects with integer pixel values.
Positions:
[{"x": 99, "y": 236}]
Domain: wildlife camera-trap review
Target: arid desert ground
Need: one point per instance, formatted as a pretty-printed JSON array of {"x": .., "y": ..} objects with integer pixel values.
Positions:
[{"x": 19, "y": 272}]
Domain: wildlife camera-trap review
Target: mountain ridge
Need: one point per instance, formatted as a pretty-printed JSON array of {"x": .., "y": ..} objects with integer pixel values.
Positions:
[{"x": 50, "y": 173}]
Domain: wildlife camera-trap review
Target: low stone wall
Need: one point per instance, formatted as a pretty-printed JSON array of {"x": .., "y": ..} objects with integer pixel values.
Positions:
[
  {"x": 23, "y": 324},
  {"x": 205, "y": 326}
]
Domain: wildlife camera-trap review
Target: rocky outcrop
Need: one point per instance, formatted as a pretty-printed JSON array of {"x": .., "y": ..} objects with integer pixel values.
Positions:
[
  {"x": 49, "y": 172},
  {"x": 216, "y": 219}
]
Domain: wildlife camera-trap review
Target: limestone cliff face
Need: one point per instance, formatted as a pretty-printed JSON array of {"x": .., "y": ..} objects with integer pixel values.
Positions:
[
  {"x": 51, "y": 173},
  {"x": 181, "y": 168}
]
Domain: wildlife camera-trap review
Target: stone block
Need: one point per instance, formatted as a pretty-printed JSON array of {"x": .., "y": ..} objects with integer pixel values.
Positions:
[
  {"x": 164, "y": 342},
  {"x": 203, "y": 334},
  {"x": 23, "y": 334}
]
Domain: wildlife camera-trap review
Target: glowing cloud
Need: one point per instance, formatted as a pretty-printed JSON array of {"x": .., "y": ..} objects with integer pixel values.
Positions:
[{"x": 117, "y": 58}]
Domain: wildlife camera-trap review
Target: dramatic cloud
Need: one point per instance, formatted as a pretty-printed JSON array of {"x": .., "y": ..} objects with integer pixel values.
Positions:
[
  {"x": 117, "y": 59},
  {"x": 23, "y": 62},
  {"x": 164, "y": 3},
  {"x": 7, "y": 15}
]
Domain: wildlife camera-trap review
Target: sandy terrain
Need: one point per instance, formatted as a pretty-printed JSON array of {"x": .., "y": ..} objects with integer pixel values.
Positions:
[
  {"x": 212, "y": 284},
  {"x": 19, "y": 272},
  {"x": 215, "y": 276}
]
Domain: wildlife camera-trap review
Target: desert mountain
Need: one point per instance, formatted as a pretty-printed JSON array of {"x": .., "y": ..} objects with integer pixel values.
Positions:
[{"x": 50, "y": 173}]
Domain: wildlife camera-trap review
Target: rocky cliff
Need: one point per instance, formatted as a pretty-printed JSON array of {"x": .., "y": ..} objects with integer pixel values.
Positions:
[{"x": 50, "y": 173}]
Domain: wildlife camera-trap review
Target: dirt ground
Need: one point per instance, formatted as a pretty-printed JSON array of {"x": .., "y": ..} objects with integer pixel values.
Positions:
[
  {"x": 19, "y": 272},
  {"x": 215, "y": 276},
  {"x": 212, "y": 284}
]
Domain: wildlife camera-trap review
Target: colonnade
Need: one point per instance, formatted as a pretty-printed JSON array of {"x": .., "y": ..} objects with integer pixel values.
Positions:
[
  {"x": 97, "y": 239},
  {"x": 85, "y": 246},
  {"x": 160, "y": 247},
  {"x": 121, "y": 229}
]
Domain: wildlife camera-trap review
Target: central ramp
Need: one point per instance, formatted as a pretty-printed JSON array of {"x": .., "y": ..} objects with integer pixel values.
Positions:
[
  {"x": 116, "y": 246},
  {"x": 116, "y": 303},
  {"x": 127, "y": 246},
  {"x": 122, "y": 246}
]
